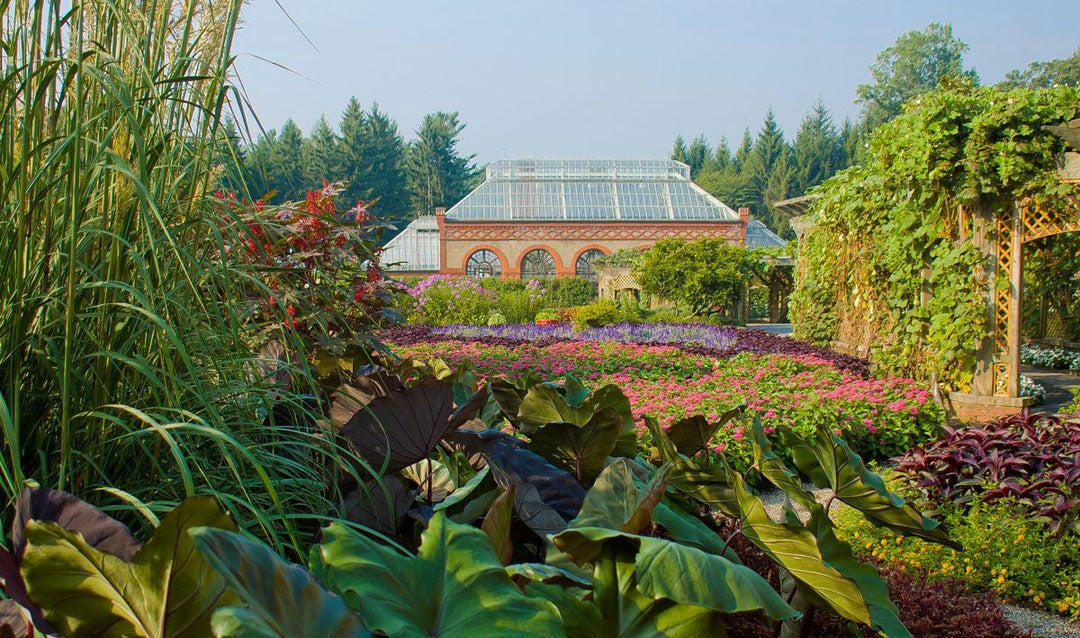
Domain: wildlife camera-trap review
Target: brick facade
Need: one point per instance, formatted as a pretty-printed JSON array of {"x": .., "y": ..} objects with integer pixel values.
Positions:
[{"x": 566, "y": 241}]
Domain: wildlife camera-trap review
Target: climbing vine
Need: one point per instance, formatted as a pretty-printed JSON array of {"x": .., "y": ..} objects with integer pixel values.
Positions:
[{"x": 892, "y": 266}]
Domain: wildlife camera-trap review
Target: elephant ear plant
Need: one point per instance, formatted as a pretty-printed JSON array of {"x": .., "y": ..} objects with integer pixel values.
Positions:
[
  {"x": 551, "y": 534},
  {"x": 74, "y": 571}
]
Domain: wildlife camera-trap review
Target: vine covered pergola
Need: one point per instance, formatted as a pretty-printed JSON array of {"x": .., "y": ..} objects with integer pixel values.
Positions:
[{"x": 998, "y": 370}]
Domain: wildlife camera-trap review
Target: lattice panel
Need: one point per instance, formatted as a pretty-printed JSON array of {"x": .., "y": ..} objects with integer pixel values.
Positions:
[
  {"x": 1043, "y": 222},
  {"x": 1036, "y": 222},
  {"x": 1002, "y": 298}
]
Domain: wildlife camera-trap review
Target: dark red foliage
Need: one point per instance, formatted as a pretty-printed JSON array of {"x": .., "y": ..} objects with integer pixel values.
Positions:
[{"x": 1033, "y": 461}]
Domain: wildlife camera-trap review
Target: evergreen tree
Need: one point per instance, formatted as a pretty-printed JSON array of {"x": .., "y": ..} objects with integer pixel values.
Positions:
[
  {"x": 698, "y": 154},
  {"x": 257, "y": 171},
  {"x": 437, "y": 174},
  {"x": 322, "y": 155},
  {"x": 853, "y": 137},
  {"x": 231, "y": 160},
  {"x": 721, "y": 158},
  {"x": 746, "y": 147},
  {"x": 678, "y": 151},
  {"x": 380, "y": 173},
  {"x": 286, "y": 168},
  {"x": 769, "y": 147},
  {"x": 818, "y": 150}
]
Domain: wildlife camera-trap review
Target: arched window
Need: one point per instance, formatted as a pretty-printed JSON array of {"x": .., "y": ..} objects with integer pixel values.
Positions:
[
  {"x": 483, "y": 263},
  {"x": 585, "y": 267},
  {"x": 537, "y": 264}
]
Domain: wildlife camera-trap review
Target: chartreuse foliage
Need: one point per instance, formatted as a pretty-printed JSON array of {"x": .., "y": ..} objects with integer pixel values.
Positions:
[
  {"x": 891, "y": 261},
  {"x": 166, "y": 589}
]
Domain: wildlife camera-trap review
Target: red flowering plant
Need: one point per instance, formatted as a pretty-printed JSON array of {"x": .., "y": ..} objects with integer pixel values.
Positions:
[{"x": 316, "y": 284}]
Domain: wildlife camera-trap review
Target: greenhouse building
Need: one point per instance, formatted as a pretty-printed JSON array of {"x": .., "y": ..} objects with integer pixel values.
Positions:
[{"x": 553, "y": 218}]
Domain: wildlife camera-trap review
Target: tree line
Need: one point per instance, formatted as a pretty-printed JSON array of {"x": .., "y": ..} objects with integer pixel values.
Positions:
[
  {"x": 413, "y": 177},
  {"x": 766, "y": 168},
  {"x": 365, "y": 149}
]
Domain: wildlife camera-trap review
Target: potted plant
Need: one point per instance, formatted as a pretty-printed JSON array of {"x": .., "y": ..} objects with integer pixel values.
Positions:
[{"x": 546, "y": 317}]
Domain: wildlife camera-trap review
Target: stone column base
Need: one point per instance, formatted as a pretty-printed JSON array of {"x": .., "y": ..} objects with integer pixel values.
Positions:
[{"x": 974, "y": 407}]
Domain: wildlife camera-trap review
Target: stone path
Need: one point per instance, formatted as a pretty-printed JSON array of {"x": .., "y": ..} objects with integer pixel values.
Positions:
[{"x": 1058, "y": 384}]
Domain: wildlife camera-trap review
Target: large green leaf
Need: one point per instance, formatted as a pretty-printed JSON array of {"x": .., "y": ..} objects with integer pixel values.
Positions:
[
  {"x": 454, "y": 586},
  {"x": 665, "y": 569},
  {"x": 691, "y": 435},
  {"x": 283, "y": 600},
  {"x": 884, "y": 615},
  {"x": 814, "y": 557},
  {"x": 616, "y": 501},
  {"x": 544, "y": 404},
  {"x": 837, "y": 467},
  {"x": 580, "y": 450},
  {"x": 665, "y": 449},
  {"x": 688, "y": 530},
  {"x": 166, "y": 590},
  {"x": 548, "y": 403},
  {"x": 774, "y": 469},
  {"x": 628, "y": 613},
  {"x": 496, "y": 525},
  {"x": 580, "y": 618}
]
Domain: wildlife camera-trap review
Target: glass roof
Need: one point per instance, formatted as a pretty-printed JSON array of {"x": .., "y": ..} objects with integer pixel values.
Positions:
[
  {"x": 414, "y": 249},
  {"x": 758, "y": 235},
  {"x": 587, "y": 190}
]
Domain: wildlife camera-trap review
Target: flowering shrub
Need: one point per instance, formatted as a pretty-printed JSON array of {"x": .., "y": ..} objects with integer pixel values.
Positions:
[
  {"x": 446, "y": 299},
  {"x": 1017, "y": 557},
  {"x": 878, "y": 417},
  {"x": 317, "y": 269},
  {"x": 1054, "y": 358},
  {"x": 1033, "y": 462}
]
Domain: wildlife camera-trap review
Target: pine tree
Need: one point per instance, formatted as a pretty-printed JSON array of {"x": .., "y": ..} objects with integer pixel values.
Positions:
[
  {"x": 746, "y": 148},
  {"x": 286, "y": 168},
  {"x": 721, "y": 158},
  {"x": 678, "y": 151},
  {"x": 437, "y": 174},
  {"x": 818, "y": 150},
  {"x": 698, "y": 154},
  {"x": 322, "y": 155},
  {"x": 380, "y": 172}
]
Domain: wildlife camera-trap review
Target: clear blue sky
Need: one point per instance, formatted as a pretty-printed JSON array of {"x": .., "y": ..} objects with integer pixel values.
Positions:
[{"x": 607, "y": 78}]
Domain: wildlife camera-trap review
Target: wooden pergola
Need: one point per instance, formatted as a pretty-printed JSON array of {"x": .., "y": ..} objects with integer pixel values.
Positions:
[
  {"x": 997, "y": 370},
  {"x": 996, "y": 379}
]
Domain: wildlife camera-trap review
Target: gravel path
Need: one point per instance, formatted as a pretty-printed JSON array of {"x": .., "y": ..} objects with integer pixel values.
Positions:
[{"x": 1041, "y": 623}]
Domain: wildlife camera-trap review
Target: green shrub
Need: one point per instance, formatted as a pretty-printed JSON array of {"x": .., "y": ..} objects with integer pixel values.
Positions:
[
  {"x": 567, "y": 292},
  {"x": 1015, "y": 556},
  {"x": 599, "y": 313},
  {"x": 496, "y": 319},
  {"x": 520, "y": 304}
]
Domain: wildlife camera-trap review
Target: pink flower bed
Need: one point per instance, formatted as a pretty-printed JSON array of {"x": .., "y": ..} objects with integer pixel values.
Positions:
[{"x": 879, "y": 417}]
